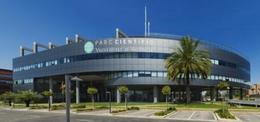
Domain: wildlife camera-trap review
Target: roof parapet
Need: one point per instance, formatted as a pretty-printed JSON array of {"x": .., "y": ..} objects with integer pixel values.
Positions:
[
  {"x": 37, "y": 45},
  {"x": 68, "y": 41},
  {"x": 35, "y": 48},
  {"x": 51, "y": 45},
  {"x": 79, "y": 38},
  {"x": 23, "y": 49},
  {"x": 120, "y": 34}
]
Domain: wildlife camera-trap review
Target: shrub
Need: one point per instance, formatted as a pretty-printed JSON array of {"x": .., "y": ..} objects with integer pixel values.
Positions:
[
  {"x": 47, "y": 93},
  {"x": 133, "y": 108},
  {"x": 79, "y": 106},
  {"x": 172, "y": 109},
  {"x": 233, "y": 105},
  {"x": 165, "y": 112},
  {"x": 224, "y": 113},
  {"x": 160, "y": 113},
  {"x": 102, "y": 107},
  {"x": 38, "y": 107},
  {"x": 84, "y": 109},
  {"x": 117, "y": 111},
  {"x": 57, "y": 107}
]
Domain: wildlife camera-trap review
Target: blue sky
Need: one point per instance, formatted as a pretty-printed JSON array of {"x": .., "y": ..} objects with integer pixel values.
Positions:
[{"x": 233, "y": 23}]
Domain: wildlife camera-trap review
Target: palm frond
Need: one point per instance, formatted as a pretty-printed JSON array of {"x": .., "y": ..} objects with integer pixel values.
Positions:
[{"x": 187, "y": 61}]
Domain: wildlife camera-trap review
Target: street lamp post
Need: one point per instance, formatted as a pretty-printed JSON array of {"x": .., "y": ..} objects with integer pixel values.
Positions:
[
  {"x": 77, "y": 79},
  {"x": 228, "y": 92},
  {"x": 228, "y": 88},
  {"x": 109, "y": 93},
  {"x": 68, "y": 98},
  {"x": 67, "y": 83}
]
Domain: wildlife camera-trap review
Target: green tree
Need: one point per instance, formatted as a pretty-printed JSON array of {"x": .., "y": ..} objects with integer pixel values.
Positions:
[
  {"x": 188, "y": 62},
  {"x": 28, "y": 96},
  {"x": 124, "y": 90},
  {"x": 223, "y": 85},
  {"x": 48, "y": 94},
  {"x": 166, "y": 90},
  {"x": 8, "y": 97},
  {"x": 92, "y": 91}
]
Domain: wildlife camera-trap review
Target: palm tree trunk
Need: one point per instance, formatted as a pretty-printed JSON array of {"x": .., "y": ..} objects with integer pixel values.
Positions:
[
  {"x": 10, "y": 103},
  {"x": 27, "y": 103},
  {"x": 188, "y": 94},
  {"x": 188, "y": 97}
]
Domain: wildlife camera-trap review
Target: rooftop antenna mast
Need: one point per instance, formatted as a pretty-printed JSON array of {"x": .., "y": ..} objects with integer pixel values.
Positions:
[
  {"x": 148, "y": 29},
  {"x": 146, "y": 22}
]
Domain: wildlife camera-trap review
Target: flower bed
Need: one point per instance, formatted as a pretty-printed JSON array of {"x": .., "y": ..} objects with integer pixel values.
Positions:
[
  {"x": 39, "y": 107},
  {"x": 84, "y": 109},
  {"x": 90, "y": 109},
  {"x": 224, "y": 113},
  {"x": 117, "y": 111},
  {"x": 163, "y": 113},
  {"x": 78, "y": 106},
  {"x": 133, "y": 108},
  {"x": 123, "y": 110},
  {"x": 57, "y": 107}
]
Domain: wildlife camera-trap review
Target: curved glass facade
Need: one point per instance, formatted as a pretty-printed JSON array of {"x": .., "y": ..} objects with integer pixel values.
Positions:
[
  {"x": 137, "y": 62},
  {"x": 163, "y": 74},
  {"x": 131, "y": 55}
]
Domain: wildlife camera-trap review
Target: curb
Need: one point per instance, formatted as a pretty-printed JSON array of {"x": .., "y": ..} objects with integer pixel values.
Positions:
[{"x": 230, "y": 120}]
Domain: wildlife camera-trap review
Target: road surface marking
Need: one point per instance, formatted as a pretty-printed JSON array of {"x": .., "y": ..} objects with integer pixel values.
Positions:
[
  {"x": 85, "y": 120},
  {"x": 191, "y": 115},
  {"x": 214, "y": 115}
]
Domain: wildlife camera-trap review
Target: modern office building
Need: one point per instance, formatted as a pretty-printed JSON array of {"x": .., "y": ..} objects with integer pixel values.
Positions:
[
  {"x": 6, "y": 80},
  {"x": 134, "y": 61}
]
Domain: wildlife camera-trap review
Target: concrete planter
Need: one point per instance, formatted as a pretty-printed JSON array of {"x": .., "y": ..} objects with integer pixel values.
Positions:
[{"x": 223, "y": 119}]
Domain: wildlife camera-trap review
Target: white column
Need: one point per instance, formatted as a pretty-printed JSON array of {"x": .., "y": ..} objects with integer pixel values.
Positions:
[
  {"x": 118, "y": 97},
  {"x": 51, "y": 89},
  {"x": 155, "y": 94},
  {"x": 77, "y": 93}
]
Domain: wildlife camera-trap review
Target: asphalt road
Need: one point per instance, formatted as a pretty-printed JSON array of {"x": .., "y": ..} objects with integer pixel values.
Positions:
[
  {"x": 248, "y": 116},
  {"x": 29, "y": 116}
]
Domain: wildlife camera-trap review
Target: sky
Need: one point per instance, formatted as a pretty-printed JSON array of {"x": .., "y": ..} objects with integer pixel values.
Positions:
[{"x": 232, "y": 23}]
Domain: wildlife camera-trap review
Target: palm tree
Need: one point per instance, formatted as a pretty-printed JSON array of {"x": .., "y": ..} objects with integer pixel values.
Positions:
[
  {"x": 27, "y": 97},
  {"x": 187, "y": 62},
  {"x": 8, "y": 97}
]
